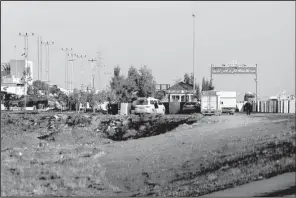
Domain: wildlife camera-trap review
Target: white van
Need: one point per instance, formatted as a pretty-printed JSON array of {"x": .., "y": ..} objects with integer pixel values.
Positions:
[{"x": 149, "y": 105}]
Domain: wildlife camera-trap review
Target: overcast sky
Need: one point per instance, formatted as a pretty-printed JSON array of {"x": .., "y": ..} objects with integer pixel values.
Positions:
[{"x": 160, "y": 35}]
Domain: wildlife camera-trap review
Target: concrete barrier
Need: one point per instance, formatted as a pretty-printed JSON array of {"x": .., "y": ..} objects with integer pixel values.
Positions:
[
  {"x": 286, "y": 106},
  {"x": 124, "y": 110},
  {"x": 292, "y": 106}
]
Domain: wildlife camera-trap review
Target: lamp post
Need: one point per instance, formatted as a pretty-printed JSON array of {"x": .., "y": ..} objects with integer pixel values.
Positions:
[
  {"x": 93, "y": 72},
  {"x": 99, "y": 65},
  {"x": 193, "y": 17},
  {"x": 66, "y": 50},
  {"x": 256, "y": 80},
  {"x": 47, "y": 67},
  {"x": 26, "y": 48},
  {"x": 81, "y": 57}
]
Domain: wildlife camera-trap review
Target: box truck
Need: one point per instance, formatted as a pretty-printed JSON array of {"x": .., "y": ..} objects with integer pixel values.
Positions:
[
  {"x": 210, "y": 103},
  {"x": 228, "y": 101}
]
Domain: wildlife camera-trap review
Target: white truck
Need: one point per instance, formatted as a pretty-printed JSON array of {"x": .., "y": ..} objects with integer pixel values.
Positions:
[
  {"x": 228, "y": 101},
  {"x": 210, "y": 103}
]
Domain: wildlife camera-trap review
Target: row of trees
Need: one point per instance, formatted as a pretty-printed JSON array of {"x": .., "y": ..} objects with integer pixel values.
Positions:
[{"x": 137, "y": 83}]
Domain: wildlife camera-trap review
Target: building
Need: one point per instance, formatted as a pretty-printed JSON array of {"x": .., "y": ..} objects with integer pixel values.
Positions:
[
  {"x": 180, "y": 92},
  {"x": 17, "y": 67}
]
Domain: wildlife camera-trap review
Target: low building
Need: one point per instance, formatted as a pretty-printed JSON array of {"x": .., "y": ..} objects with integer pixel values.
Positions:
[{"x": 180, "y": 92}]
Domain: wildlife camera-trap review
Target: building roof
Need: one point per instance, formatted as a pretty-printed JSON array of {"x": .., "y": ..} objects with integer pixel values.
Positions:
[{"x": 181, "y": 86}]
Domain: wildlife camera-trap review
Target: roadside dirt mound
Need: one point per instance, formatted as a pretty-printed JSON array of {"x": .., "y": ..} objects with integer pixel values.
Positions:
[{"x": 120, "y": 128}]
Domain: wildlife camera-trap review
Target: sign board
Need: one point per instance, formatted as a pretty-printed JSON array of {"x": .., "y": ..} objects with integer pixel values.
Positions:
[
  {"x": 234, "y": 70},
  {"x": 179, "y": 91}
]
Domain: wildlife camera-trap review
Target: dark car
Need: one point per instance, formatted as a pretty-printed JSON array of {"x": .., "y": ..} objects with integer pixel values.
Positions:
[{"x": 191, "y": 107}]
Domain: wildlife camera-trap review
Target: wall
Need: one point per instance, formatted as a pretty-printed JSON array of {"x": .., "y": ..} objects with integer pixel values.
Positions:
[{"x": 276, "y": 106}]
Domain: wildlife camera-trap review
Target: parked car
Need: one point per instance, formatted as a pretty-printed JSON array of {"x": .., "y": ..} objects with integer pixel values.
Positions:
[
  {"x": 149, "y": 105},
  {"x": 190, "y": 107}
]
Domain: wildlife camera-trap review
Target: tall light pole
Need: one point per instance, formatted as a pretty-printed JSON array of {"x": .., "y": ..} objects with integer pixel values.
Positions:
[
  {"x": 193, "y": 16},
  {"x": 93, "y": 72},
  {"x": 26, "y": 48},
  {"x": 40, "y": 57},
  {"x": 66, "y": 50},
  {"x": 47, "y": 67},
  {"x": 71, "y": 68},
  {"x": 99, "y": 65},
  {"x": 256, "y": 80},
  {"x": 81, "y": 57},
  {"x": 15, "y": 52}
]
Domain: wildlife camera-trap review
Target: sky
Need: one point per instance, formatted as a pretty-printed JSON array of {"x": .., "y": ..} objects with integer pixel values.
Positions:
[{"x": 159, "y": 35}]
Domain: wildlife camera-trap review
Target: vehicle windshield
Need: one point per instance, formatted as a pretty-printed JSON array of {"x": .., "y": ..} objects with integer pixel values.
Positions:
[{"x": 142, "y": 102}]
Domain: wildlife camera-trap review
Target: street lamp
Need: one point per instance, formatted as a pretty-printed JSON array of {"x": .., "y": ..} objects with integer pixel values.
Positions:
[
  {"x": 81, "y": 57},
  {"x": 47, "y": 67},
  {"x": 93, "y": 72},
  {"x": 66, "y": 50},
  {"x": 193, "y": 17},
  {"x": 26, "y": 48}
]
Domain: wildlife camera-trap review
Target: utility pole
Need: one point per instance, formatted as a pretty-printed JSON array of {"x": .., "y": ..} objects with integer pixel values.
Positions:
[
  {"x": 99, "y": 65},
  {"x": 26, "y": 48},
  {"x": 66, "y": 50},
  {"x": 193, "y": 15},
  {"x": 71, "y": 60},
  {"x": 81, "y": 57},
  {"x": 38, "y": 55},
  {"x": 71, "y": 68},
  {"x": 256, "y": 80},
  {"x": 93, "y": 72},
  {"x": 15, "y": 51},
  {"x": 41, "y": 54},
  {"x": 47, "y": 66}
]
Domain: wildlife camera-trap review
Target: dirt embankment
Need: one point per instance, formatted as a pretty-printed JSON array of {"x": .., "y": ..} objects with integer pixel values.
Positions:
[
  {"x": 84, "y": 155},
  {"x": 204, "y": 159}
]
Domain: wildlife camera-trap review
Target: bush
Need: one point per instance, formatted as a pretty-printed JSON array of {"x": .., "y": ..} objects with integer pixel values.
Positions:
[{"x": 78, "y": 120}]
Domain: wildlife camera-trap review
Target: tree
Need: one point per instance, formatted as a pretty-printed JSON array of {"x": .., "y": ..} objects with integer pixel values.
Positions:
[
  {"x": 54, "y": 90},
  {"x": 147, "y": 82},
  {"x": 5, "y": 70},
  {"x": 39, "y": 85},
  {"x": 187, "y": 79},
  {"x": 117, "y": 84},
  {"x": 207, "y": 85},
  {"x": 26, "y": 77}
]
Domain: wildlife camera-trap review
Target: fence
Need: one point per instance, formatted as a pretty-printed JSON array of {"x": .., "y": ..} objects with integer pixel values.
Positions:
[{"x": 275, "y": 106}]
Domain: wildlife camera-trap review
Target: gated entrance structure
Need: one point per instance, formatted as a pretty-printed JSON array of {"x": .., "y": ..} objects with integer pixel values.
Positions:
[{"x": 235, "y": 68}]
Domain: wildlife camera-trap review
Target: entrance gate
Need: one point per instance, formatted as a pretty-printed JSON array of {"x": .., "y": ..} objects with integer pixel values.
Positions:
[{"x": 235, "y": 68}]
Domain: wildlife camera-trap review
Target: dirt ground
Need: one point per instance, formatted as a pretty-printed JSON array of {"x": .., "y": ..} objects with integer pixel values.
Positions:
[{"x": 212, "y": 154}]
